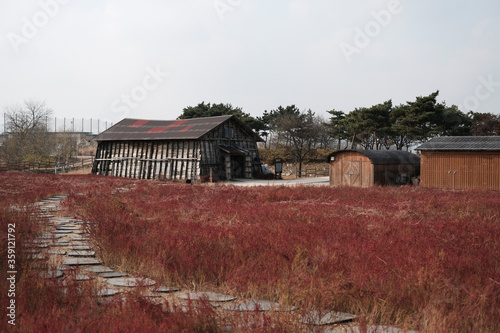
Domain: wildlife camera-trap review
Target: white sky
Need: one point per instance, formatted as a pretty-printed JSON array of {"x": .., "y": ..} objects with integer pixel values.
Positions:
[{"x": 82, "y": 57}]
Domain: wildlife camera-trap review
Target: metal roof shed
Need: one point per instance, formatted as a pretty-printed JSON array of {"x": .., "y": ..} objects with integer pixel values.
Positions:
[
  {"x": 365, "y": 168},
  {"x": 461, "y": 162}
]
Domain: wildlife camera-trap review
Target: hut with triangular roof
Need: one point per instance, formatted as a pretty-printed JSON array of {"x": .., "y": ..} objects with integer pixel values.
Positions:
[{"x": 220, "y": 147}]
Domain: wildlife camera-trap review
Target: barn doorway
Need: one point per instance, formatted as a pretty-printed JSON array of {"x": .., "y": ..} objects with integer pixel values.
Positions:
[
  {"x": 351, "y": 173},
  {"x": 238, "y": 166}
]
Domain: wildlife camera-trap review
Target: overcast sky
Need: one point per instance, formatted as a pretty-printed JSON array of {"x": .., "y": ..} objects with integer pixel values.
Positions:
[{"x": 111, "y": 59}]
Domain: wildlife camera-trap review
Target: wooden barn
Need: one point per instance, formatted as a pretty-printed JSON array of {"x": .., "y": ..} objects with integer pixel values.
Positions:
[
  {"x": 461, "y": 162},
  {"x": 365, "y": 168},
  {"x": 188, "y": 149}
]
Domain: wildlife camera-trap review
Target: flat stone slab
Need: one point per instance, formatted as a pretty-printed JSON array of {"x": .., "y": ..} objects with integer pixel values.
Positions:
[
  {"x": 369, "y": 329},
  {"x": 40, "y": 241},
  {"x": 51, "y": 274},
  {"x": 59, "y": 244},
  {"x": 131, "y": 282},
  {"x": 62, "y": 232},
  {"x": 49, "y": 236},
  {"x": 208, "y": 296},
  {"x": 80, "y": 248},
  {"x": 81, "y": 261},
  {"x": 252, "y": 306},
  {"x": 320, "y": 318},
  {"x": 55, "y": 252},
  {"x": 110, "y": 275},
  {"x": 79, "y": 243},
  {"x": 107, "y": 292},
  {"x": 80, "y": 239},
  {"x": 165, "y": 290},
  {"x": 63, "y": 227},
  {"x": 81, "y": 253},
  {"x": 98, "y": 269},
  {"x": 82, "y": 277},
  {"x": 36, "y": 256}
]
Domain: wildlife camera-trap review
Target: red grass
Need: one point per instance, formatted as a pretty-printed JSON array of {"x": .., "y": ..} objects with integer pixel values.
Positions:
[{"x": 422, "y": 259}]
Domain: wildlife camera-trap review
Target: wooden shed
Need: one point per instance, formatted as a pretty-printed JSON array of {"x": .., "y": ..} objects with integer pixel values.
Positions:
[
  {"x": 188, "y": 149},
  {"x": 461, "y": 162},
  {"x": 365, "y": 168}
]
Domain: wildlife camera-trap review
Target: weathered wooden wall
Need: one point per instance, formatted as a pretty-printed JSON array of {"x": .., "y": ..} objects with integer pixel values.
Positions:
[
  {"x": 461, "y": 170},
  {"x": 148, "y": 159}
]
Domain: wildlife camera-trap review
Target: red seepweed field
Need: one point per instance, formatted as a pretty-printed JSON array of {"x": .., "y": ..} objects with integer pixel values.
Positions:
[{"x": 427, "y": 260}]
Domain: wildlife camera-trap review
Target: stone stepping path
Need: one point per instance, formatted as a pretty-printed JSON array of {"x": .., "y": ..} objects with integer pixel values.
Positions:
[
  {"x": 80, "y": 248},
  {"x": 166, "y": 290},
  {"x": 131, "y": 282},
  {"x": 81, "y": 261},
  {"x": 207, "y": 296},
  {"x": 55, "y": 252},
  {"x": 79, "y": 265},
  {"x": 110, "y": 275},
  {"x": 51, "y": 274},
  {"x": 98, "y": 269},
  {"x": 252, "y": 306},
  {"x": 320, "y": 318},
  {"x": 81, "y": 253},
  {"x": 107, "y": 292}
]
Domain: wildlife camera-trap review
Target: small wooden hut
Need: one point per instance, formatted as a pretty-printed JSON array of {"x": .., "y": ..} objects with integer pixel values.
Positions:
[
  {"x": 188, "y": 149},
  {"x": 461, "y": 162},
  {"x": 365, "y": 168}
]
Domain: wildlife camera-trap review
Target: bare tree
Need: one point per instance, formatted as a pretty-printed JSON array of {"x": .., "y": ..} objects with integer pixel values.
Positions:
[
  {"x": 27, "y": 137},
  {"x": 300, "y": 131}
]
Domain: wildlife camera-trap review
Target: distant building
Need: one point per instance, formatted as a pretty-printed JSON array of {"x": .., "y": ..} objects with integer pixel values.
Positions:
[
  {"x": 365, "y": 168},
  {"x": 461, "y": 162},
  {"x": 178, "y": 149}
]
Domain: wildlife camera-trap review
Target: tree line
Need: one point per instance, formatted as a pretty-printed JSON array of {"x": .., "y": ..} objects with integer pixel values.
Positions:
[
  {"x": 288, "y": 131},
  {"x": 298, "y": 134}
]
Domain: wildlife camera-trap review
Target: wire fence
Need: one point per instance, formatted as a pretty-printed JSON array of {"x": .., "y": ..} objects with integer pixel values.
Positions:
[{"x": 75, "y": 125}]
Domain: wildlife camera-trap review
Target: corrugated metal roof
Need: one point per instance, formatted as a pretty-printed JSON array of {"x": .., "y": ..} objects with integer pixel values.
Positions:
[
  {"x": 486, "y": 143},
  {"x": 151, "y": 130},
  {"x": 384, "y": 156}
]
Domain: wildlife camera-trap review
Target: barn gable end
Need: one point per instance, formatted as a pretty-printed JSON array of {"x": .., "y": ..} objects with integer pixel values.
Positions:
[{"x": 181, "y": 149}]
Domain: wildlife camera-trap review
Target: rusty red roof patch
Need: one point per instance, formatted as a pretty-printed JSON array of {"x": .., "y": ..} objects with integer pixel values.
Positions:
[
  {"x": 163, "y": 129},
  {"x": 187, "y": 128},
  {"x": 158, "y": 129},
  {"x": 139, "y": 123}
]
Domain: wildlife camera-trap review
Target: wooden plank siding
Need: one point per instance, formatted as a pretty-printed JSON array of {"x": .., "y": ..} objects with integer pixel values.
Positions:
[
  {"x": 461, "y": 170},
  {"x": 352, "y": 169}
]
